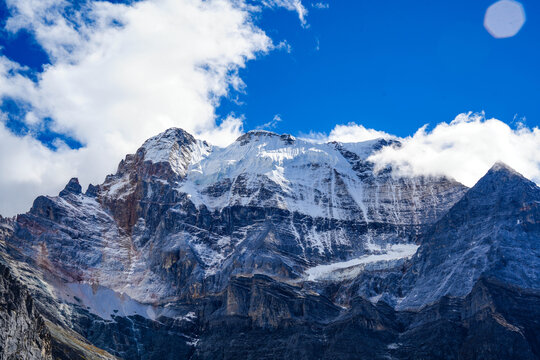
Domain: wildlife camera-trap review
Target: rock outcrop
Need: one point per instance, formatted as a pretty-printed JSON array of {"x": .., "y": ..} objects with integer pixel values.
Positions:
[{"x": 23, "y": 334}]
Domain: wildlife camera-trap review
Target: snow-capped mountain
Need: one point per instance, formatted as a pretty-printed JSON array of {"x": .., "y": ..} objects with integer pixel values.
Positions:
[{"x": 272, "y": 247}]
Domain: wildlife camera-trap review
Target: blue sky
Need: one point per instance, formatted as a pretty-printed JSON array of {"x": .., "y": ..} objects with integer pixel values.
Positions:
[{"x": 392, "y": 66}]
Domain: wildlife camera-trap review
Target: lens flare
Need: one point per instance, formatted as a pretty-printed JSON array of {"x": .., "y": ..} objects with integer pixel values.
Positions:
[{"x": 504, "y": 18}]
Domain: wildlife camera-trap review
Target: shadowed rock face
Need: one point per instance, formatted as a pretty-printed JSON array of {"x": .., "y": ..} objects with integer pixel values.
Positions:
[
  {"x": 494, "y": 230},
  {"x": 489, "y": 323},
  {"x": 278, "y": 248},
  {"x": 23, "y": 334},
  {"x": 494, "y": 321}
]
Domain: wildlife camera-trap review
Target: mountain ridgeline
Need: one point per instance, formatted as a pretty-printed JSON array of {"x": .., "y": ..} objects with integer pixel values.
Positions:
[{"x": 273, "y": 247}]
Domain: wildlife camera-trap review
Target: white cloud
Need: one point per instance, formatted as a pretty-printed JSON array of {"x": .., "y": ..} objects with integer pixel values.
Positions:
[
  {"x": 292, "y": 5},
  {"x": 271, "y": 124},
  {"x": 349, "y": 133},
  {"x": 465, "y": 149},
  {"x": 111, "y": 87},
  {"x": 320, "y": 5},
  {"x": 284, "y": 45},
  {"x": 53, "y": 31},
  {"x": 224, "y": 134},
  {"x": 28, "y": 166},
  {"x": 355, "y": 133}
]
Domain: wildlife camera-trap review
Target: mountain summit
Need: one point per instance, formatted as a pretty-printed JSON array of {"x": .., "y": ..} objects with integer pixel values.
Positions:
[
  {"x": 493, "y": 231},
  {"x": 275, "y": 247}
]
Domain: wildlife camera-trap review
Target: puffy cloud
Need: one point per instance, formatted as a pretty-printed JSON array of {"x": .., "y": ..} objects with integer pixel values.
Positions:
[
  {"x": 28, "y": 166},
  {"x": 355, "y": 133},
  {"x": 119, "y": 74},
  {"x": 348, "y": 133},
  {"x": 465, "y": 149}
]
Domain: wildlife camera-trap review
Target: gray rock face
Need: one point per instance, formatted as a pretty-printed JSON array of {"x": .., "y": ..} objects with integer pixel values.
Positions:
[
  {"x": 72, "y": 187},
  {"x": 489, "y": 323},
  {"x": 275, "y": 247},
  {"x": 31, "y": 325},
  {"x": 494, "y": 321},
  {"x": 494, "y": 230},
  {"x": 23, "y": 334}
]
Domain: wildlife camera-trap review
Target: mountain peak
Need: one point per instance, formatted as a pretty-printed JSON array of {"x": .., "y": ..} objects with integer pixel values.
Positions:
[
  {"x": 501, "y": 193},
  {"x": 492, "y": 230},
  {"x": 158, "y": 148},
  {"x": 72, "y": 187},
  {"x": 501, "y": 178},
  {"x": 500, "y": 166}
]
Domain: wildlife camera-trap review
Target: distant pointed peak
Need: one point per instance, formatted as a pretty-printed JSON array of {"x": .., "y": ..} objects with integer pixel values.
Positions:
[
  {"x": 92, "y": 190},
  {"x": 501, "y": 177},
  {"x": 501, "y": 166},
  {"x": 72, "y": 187},
  {"x": 500, "y": 170}
]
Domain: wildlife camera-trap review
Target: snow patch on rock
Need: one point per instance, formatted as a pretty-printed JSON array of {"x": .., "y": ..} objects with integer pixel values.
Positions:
[{"x": 351, "y": 268}]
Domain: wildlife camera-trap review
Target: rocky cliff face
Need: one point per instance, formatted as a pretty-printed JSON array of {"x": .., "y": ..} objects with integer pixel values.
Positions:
[
  {"x": 23, "y": 334},
  {"x": 276, "y": 247},
  {"x": 494, "y": 230},
  {"x": 28, "y": 329}
]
